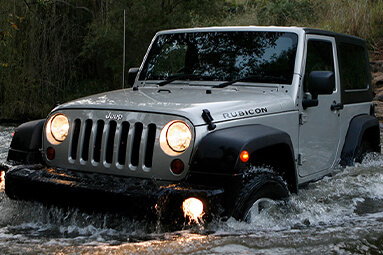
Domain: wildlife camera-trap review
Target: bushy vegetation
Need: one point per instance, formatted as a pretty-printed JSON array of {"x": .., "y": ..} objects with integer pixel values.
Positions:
[{"x": 57, "y": 50}]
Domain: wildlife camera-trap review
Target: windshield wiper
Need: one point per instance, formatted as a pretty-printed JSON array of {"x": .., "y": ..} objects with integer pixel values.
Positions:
[
  {"x": 181, "y": 77},
  {"x": 260, "y": 78}
]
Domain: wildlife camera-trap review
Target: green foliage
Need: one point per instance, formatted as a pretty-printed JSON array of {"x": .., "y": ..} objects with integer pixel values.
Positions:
[
  {"x": 42, "y": 57},
  {"x": 284, "y": 12},
  {"x": 58, "y": 50},
  {"x": 103, "y": 46},
  {"x": 351, "y": 17},
  {"x": 272, "y": 12},
  {"x": 376, "y": 35}
]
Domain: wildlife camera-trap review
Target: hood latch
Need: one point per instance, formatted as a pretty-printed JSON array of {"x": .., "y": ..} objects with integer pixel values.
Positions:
[{"x": 208, "y": 119}]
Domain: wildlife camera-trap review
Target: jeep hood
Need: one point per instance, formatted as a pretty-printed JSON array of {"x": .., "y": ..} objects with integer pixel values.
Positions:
[{"x": 223, "y": 104}]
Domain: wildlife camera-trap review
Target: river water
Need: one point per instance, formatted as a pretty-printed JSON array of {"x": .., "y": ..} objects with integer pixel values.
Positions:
[{"x": 341, "y": 214}]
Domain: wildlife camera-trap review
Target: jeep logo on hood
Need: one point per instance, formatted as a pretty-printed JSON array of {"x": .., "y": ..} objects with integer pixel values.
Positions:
[{"x": 112, "y": 116}]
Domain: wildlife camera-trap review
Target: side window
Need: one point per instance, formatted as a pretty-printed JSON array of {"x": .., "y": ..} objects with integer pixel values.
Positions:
[
  {"x": 319, "y": 58},
  {"x": 353, "y": 71}
]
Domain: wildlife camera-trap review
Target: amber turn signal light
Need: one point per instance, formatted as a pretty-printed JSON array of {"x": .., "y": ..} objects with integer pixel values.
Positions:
[{"x": 244, "y": 156}]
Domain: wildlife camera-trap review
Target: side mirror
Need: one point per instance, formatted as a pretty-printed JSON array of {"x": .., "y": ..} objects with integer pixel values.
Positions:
[
  {"x": 132, "y": 74},
  {"x": 320, "y": 83}
]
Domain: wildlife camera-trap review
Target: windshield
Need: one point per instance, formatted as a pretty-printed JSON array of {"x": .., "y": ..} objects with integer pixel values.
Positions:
[{"x": 222, "y": 56}]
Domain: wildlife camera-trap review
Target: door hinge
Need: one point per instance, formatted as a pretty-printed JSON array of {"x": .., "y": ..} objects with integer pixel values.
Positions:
[
  {"x": 300, "y": 159},
  {"x": 303, "y": 118},
  {"x": 337, "y": 106}
]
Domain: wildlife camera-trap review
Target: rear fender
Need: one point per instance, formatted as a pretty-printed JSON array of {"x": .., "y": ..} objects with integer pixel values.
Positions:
[{"x": 361, "y": 127}]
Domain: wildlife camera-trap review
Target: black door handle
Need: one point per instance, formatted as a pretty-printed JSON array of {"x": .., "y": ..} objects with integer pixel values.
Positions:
[{"x": 336, "y": 106}]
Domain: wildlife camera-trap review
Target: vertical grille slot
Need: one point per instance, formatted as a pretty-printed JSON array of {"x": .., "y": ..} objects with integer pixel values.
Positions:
[
  {"x": 138, "y": 127},
  {"x": 85, "y": 144},
  {"x": 110, "y": 142},
  {"x": 123, "y": 143},
  {"x": 75, "y": 138},
  {"x": 98, "y": 141},
  {"x": 151, "y": 136}
]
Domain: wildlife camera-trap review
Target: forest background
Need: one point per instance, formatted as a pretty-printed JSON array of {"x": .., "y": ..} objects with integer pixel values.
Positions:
[{"x": 57, "y": 50}]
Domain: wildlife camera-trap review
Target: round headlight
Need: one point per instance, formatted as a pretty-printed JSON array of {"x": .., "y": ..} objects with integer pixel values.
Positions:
[
  {"x": 178, "y": 136},
  {"x": 175, "y": 137},
  {"x": 59, "y": 127}
]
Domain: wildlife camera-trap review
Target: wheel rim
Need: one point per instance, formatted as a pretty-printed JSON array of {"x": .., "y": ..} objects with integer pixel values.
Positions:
[{"x": 258, "y": 206}]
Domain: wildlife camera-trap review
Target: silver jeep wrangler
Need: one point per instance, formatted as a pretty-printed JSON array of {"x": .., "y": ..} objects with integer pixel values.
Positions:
[{"x": 209, "y": 110}]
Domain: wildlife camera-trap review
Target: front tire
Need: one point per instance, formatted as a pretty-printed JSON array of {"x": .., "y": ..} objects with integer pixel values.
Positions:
[
  {"x": 362, "y": 150},
  {"x": 259, "y": 191}
]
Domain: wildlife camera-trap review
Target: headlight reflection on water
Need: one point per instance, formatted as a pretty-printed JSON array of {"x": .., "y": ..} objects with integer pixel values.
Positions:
[{"x": 2, "y": 180}]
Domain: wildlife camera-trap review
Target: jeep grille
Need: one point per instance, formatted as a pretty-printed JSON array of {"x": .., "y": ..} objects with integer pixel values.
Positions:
[
  {"x": 112, "y": 142},
  {"x": 127, "y": 145}
]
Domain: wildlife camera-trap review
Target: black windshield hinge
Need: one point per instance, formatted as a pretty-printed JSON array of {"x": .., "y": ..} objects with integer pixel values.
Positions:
[{"x": 208, "y": 119}]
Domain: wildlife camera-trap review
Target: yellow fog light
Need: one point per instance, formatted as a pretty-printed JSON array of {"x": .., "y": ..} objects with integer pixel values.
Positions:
[
  {"x": 58, "y": 127},
  {"x": 193, "y": 209}
]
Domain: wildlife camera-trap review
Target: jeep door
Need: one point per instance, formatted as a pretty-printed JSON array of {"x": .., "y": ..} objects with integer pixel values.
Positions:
[{"x": 319, "y": 135}]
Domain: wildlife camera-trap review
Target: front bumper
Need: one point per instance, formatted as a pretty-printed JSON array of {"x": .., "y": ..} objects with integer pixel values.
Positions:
[{"x": 139, "y": 198}]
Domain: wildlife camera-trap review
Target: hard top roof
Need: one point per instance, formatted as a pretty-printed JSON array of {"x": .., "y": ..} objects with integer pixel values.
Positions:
[
  {"x": 338, "y": 36},
  {"x": 299, "y": 30}
]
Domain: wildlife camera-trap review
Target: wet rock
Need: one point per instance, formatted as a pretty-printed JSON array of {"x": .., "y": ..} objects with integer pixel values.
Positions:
[
  {"x": 299, "y": 226},
  {"x": 376, "y": 66},
  {"x": 379, "y": 110},
  {"x": 377, "y": 80},
  {"x": 378, "y": 94},
  {"x": 307, "y": 222}
]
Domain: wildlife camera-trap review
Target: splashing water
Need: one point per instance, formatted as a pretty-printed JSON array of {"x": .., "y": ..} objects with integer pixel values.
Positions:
[
  {"x": 5, "y": 141},
  {"x": 338, "y": 214}
]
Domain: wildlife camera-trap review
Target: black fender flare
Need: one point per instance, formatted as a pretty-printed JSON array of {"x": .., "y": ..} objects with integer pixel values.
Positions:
[
  {"x": 26, "y": 143},
  {"x": 219, "y": 151},
  {"x": 358, "y": 127}
]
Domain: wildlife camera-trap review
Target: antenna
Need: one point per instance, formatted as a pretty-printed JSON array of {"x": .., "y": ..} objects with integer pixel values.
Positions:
[{"x": 123, "y": 54}]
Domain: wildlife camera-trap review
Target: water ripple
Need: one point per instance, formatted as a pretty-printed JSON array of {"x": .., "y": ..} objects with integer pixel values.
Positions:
[{"x": 338, "y": 214}]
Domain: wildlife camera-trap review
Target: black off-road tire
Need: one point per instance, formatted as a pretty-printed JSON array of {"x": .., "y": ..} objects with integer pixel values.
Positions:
[
  {"x": 362, "y": 150},
  {"x": 261, "y": 186}
]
